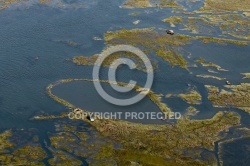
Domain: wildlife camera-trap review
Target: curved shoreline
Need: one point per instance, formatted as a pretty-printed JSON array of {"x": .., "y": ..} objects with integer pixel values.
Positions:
[
  {"x": 155, "y": 98},
  {"x": 130, "y": 133}
]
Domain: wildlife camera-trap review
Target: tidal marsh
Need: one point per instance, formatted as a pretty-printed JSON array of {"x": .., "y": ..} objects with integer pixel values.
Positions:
[
  {"x": 191, "y": 97},
  {"x": 225, "y": 6},
  {"x": 246, "y": 75},
  {"x": 160, "y": 141},
  {"x": 209, "y": 64},
  {"x": 236, "y": 96},
  {"x": 149, "y": 3},
  {"x": 210, "y": 76},
  {"x": 148, "y": 142}
]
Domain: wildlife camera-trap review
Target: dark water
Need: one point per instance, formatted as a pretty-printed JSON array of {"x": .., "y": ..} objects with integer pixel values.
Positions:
[
  {"x": 29, "y": 30},
  {"x": 236, "y": 152},
  {"x": 75, "y": 93}
]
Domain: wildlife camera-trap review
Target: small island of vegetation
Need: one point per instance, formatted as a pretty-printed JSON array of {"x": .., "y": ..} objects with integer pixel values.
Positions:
[
  {"x": 236, "y": 96},
  {"x": 191, "y": 97}
]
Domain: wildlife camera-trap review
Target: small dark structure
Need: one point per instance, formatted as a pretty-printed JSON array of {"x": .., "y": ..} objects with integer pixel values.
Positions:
[
  {"x": 170, "y": 32},
  {"x": 228, "y": 83},
  {"x": 91, "y": 118}
]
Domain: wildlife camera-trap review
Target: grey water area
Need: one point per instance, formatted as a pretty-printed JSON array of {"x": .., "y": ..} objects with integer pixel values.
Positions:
[
  {"x": 34, "y": 48},
  {"x": 237, "y": 152},
  {"x": 75, "y": 93}
]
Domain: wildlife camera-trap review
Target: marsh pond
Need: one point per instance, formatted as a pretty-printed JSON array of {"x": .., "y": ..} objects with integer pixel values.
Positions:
[{"x": 47, "y": 52}]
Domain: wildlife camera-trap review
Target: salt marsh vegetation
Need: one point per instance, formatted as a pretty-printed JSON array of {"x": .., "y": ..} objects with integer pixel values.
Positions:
[
  {"x": 150, "y": 40},
  {"x": 62, "y": 158},
  {"x": 231, "y": 24},
  {"x": 225, "y": 6},
  {"x": 30, "y": 154},
  {"x": 236, "y": 96},
  {"x": 4, "y": 142},
  {"x": 5, "y": 3},
  {"x": 151, "y": 3},
  {"x": 246, "y": 75},
  {"x": 162, "y": 44},
  {"x": 191, "y": 97},
  {"x": 209, "y": 64},
  {"x": 148, "y": 142},
  {"x": 173, "y": 20},
  {"x": 108, "y": 62},
  {"x": 210, "y": 76},
  {"x": 156, "y": 98},
  {"x": 191, "y": 111},
  {"x": 145, "y": 143}
]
